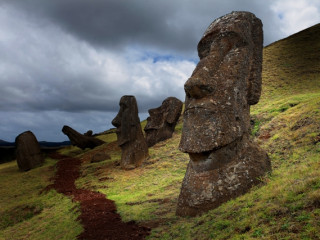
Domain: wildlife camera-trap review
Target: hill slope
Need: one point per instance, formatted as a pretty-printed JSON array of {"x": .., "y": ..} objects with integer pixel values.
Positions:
[
  {"x": 292, "y": 65},
  {"x": 286, "y": 123}
]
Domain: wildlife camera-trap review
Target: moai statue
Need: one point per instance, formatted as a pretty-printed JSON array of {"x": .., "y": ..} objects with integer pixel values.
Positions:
[
  {"x": 81, "y": 140},
  {"x": 224, "y": 162},
  {"x": 129, "y": 133},
  {"x": 162, "y": 121},
  {"x": 28, "y": 151}
]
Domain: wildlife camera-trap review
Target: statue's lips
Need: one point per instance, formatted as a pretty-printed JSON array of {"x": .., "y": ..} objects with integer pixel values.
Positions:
[
  {"x": 206, "y": 104},
  {"x": 201, "y": 108}
]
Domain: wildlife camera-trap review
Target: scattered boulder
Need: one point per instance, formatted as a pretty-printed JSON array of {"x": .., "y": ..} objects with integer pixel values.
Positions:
[
  {"x": 129, "y": 133},
  {"x": 89, "y": 133},
  {"x": 28, "y": 151},
  {"x": 99, "y": 157},
  {"x": 224, "y": 162},
  {"x": 162, "y": 121},
  {"x": 81, "y": 140}
]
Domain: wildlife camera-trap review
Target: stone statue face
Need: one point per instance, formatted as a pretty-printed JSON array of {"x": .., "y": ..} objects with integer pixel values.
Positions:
[
  {"x": 226, "y": 81},
  {"x": 168, "y": 112},
  {"x": 162, "y": 121},
  {"x": 126, "y": 120}
]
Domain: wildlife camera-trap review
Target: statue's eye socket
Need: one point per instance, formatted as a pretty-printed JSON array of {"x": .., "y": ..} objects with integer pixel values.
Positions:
[
  {"x": 198, "y": 91},
  {"x": 227, "y": 41}
]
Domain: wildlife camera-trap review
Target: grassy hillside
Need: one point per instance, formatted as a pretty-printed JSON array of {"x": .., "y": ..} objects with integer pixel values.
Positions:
[
  {"x": 286, "y": 123},
  {"x": 28, "y": 212}
]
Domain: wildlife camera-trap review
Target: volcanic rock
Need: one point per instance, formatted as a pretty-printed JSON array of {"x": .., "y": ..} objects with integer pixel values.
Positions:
[
  {"x": 28, "y": 151},
  {"x": 129, "y": 133},
  {"x": 162, "y": 121},
  {"x": 224, "y": 162},
  {"x": 81, "y": 140}
]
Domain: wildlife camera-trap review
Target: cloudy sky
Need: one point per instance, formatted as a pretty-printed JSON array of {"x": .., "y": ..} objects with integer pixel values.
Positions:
[{"x": 68, "y": 62}]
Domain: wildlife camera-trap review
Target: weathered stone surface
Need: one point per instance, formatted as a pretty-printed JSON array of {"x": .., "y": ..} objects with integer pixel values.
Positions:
[
  {"x": 221, "y": 175},
  {"x": 129, "y": 133},
  {"x": 224, "y": 162},
  {"x": 28, "y": 151},
  {"x": 81, "y": 140},
  {"x": 162, "y": 121},
  {"x": 99, "y": 157}
]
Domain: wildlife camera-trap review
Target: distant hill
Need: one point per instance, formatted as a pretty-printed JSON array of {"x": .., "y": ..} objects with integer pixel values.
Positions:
[
  {"x": 42, "y": 144},
  {"x": 54, "y": 144},
  {"x": 7, "y": 149},
  {"x": 6, "y": 144}
]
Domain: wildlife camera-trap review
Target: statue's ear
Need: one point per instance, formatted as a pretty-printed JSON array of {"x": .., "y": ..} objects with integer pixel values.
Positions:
[
  {"x": 174, "y": 110},
  {"x": 254, "y": 83},
  {"x": 172, "y": 115}
]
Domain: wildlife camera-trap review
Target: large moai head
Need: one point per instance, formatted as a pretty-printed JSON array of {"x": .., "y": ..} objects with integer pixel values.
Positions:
[
  {"x": 129, "y": 133},
  {"x": 224, "y": 162},
  {"x": 162, "y": 121},
  {"x": 226, "y": 81},
  {"x": 28, "y": 151}
]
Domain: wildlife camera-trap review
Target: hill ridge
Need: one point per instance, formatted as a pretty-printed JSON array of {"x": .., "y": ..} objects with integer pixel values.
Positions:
[{"x": 313, "y": 27}]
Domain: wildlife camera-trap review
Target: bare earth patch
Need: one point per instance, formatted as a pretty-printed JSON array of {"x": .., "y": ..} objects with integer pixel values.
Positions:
[{"x": 98, "y": 214}]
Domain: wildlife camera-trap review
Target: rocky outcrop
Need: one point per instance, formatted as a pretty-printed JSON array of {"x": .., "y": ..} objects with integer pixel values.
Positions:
[
  {"x": 162, "y": 121},
  {"x": 28, "y": 151},
  {"x": 129, "y": 133},
  {"x": 80, "y": 140},
  {"x": 224, "y": 162}
]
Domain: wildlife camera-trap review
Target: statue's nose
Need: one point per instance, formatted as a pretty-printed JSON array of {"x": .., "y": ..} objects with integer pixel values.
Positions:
[
  {"x": 197, "y": 88},
  {"x": 116, "y": 121}
]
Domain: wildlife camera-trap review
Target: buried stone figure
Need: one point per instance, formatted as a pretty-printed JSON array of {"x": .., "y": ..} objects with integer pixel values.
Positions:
[
  {"x": 224, "y": 162},
  {"x": 162, "y": 121},
  {"x": 129, "y": 133},
  {"x": 28, "y": 151}
]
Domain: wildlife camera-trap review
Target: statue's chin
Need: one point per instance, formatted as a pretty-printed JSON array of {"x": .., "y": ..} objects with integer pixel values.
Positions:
[
  {"x": 199, "y": 156},
  {"x": 121, "y": 140},
  {"x": 204, "y": 130}
]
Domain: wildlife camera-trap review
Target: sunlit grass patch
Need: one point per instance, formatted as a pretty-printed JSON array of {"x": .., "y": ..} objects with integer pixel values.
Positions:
[
  {"x": 141, "y": 193},
  {"x": 26, "y": 213}
]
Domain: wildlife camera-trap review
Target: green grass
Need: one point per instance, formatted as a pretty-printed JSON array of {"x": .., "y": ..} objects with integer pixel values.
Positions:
[
  {"x": 138, "y": 192},
  {"x": 26, "y": 213}
]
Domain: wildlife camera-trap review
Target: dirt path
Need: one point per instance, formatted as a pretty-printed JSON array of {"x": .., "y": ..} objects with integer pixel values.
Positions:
[{"x": 98, "y": 214}]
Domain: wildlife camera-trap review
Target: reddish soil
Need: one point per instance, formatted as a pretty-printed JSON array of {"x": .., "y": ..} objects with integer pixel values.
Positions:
[{"x": 98, "y": 214}]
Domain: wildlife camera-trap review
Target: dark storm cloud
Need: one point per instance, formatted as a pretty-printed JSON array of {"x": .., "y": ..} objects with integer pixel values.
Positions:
[
  {"x": 166, "y": 25},
  {"x": 45, "y": 68},
  {"x": 115, "y": 23}
]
